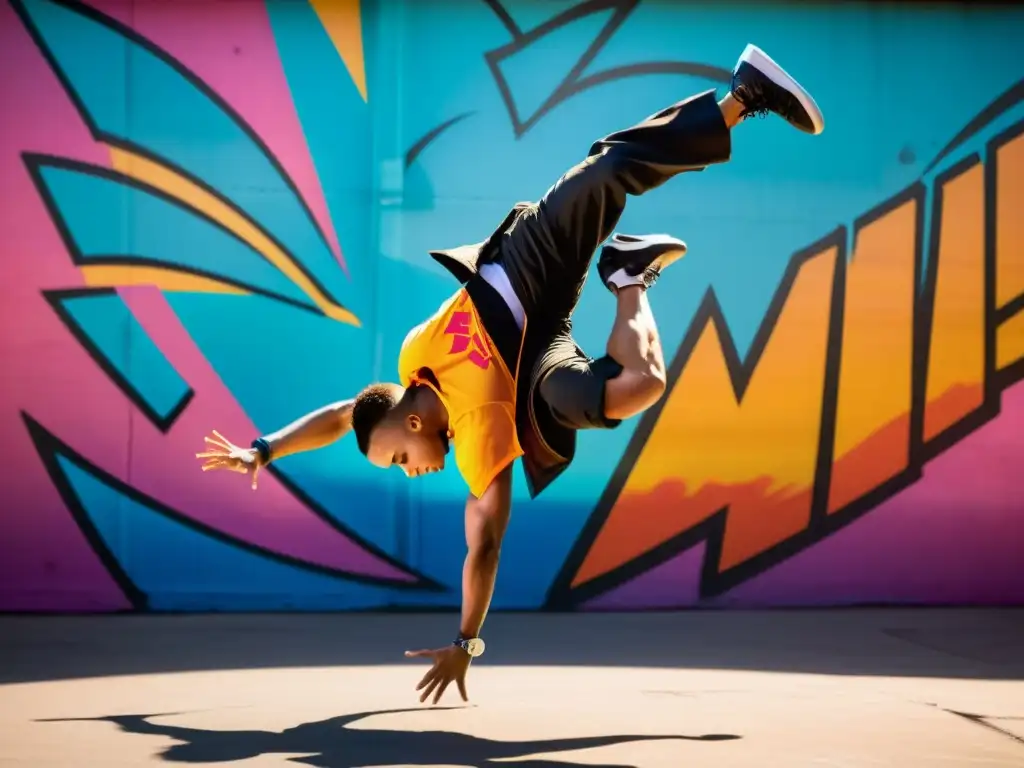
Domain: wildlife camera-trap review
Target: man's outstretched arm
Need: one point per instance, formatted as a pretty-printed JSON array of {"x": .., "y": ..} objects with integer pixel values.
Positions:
[
  {"x": 486, "y": 520},
  {"x": 314, "y": 430}
]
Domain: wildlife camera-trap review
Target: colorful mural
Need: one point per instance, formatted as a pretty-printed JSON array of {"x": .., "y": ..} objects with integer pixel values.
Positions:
[{"x": 216, "y": 216}]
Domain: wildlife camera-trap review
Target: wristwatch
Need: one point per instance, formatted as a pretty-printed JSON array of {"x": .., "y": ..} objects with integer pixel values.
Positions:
[{"x": 474, "y": 646}]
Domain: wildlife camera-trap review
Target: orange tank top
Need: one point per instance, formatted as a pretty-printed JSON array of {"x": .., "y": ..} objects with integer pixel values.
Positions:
[{"x": 475, "y": 386}]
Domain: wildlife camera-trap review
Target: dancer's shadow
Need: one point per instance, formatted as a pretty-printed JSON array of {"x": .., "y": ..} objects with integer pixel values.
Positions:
[{"x": 332, "y": 744}]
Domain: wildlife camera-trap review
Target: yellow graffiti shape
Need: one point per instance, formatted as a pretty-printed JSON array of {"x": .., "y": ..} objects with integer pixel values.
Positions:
[
  {"x": 115, "y": 275},
  {"x": 1010, "y": 341},
  {"x": 176, "y": 186},
  {"x": 956, "y": 352},
  {"x": 1009, "y": 230},
  {"x": 872, "y": 438},
  {"x": 1009, "y": 246},
  {"x": 343, "y": 22}
]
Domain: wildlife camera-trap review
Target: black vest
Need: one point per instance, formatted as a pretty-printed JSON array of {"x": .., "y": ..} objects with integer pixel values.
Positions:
[{"x": 548, "y": 446}]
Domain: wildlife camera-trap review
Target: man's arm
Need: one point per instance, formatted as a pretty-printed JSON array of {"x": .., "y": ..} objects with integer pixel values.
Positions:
[
  {"x": 486, "y": 521},
  {"x": 312, "y": 431}
]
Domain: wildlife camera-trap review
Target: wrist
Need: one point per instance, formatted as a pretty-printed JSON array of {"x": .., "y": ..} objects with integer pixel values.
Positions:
[{"x": 263, "y": 449}]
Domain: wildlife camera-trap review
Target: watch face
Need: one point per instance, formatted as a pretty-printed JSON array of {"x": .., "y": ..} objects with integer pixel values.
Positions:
[{"x": 474, "y": 647}]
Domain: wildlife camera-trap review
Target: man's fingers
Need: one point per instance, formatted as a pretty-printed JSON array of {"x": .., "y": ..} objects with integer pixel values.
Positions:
[
  {"x": 440, "y": 690},
  {"x": 430, "y": 689},
  {"x": 255, "y": 475},
  {"x": 426, "y": 683},
  {"x": 418, "y": 654},
  {"x": 227, "y": 464},
  {"x": 427, "y": 678},
  {"x": 221, "y": 437},
  {"x": 461, "y": 682},
  {"x": 210, "y": 441},
  {"x": 210, "y": 454}
]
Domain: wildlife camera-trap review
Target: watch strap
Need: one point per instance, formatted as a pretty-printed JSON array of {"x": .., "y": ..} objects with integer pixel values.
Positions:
[{"x": 263, "y": 447}]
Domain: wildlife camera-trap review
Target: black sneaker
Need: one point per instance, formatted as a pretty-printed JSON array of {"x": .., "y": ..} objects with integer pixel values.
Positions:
[
  {"x": 637, "y": 259},
  {"x": 762, "y": 86}
]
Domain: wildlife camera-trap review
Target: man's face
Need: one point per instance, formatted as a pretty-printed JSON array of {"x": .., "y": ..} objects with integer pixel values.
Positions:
[{"x": 405, "y": 442}]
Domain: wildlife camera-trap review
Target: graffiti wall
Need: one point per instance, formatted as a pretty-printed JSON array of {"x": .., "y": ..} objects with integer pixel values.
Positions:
[{"x": 216, "y": 215}]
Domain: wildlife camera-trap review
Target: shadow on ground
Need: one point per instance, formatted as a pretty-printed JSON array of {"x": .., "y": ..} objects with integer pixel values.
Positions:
[
  {"x": 332, "y": 744},
  {"x": 951, "y": 643}
]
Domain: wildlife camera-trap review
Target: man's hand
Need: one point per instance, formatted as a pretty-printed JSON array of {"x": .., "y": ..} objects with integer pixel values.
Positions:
[
  {"x": 224, "y": 454},
  {"x": 450, "y": 663}
]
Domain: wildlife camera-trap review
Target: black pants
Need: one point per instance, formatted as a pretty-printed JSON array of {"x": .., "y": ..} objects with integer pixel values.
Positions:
[{"x": 547, "y": 251}]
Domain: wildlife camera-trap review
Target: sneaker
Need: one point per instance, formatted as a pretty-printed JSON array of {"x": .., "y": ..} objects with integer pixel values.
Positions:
[
  {"x": 762, "y": 86},
  {"x": 637, "y": 259}
]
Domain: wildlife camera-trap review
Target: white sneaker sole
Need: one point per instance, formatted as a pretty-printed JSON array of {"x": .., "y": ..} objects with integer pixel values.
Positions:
[
  {"x": 675, "y": 250},
  {"x": 764, "y": 63},
  {"x": 643, "y": 241}
]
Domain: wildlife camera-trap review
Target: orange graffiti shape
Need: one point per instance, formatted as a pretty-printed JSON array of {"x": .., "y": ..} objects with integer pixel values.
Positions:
[
  {"x": 956, "y": 351},
  {"x": 755, "y": 453},
  {"x": 872, "y": 432}
]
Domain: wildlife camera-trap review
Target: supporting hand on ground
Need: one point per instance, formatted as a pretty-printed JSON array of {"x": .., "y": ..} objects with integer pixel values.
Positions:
[{"x": 449, "y": 664}]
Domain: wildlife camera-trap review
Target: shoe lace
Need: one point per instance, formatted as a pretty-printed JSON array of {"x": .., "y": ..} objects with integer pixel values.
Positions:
[{"x": 752, "y": 97}]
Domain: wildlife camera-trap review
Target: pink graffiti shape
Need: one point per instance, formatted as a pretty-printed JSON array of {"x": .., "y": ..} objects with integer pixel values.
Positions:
[
  {"x": 229, "y": 46},
  {"x": 45, "y": 561},
  {"x": 46, "y": 564}
]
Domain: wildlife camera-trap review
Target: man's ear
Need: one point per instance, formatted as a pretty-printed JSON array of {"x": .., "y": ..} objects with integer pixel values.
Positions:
[{"x": 414, "y": 422}]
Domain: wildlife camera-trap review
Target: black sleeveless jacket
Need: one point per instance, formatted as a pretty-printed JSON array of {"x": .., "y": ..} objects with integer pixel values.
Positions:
[{"x": 548, "y": 445}]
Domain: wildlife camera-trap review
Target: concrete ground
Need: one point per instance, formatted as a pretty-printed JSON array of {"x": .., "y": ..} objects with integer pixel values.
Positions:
[{"x": 902, "y": 688}]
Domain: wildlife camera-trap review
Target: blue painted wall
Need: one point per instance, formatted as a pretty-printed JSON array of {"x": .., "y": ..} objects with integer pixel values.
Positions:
[{"x": 896, "y": 84}]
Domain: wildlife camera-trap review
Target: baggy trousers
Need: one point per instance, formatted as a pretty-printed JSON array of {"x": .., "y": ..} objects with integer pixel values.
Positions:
[{"x": 546, "y": 249}]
